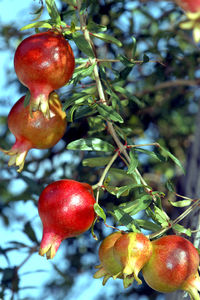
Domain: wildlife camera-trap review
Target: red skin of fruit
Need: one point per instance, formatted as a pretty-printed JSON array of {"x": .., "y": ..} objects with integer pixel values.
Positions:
[
  {"x": 36, "y": 131},
  {"x": 66, "y": 209},
  {"x": 44, "y": 62},
  {"x": 174, "y": 261},
  {"x": 189, "y": 5},
  {"x": 132, "y": 250}
]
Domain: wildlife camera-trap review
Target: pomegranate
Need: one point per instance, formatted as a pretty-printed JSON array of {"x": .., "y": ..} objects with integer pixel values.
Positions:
[
  {"x": 109, "y": 267},
  {"x": 44, "y": 62},
  {"x": 132, "y": 250},
  {"x": 192, "y": 6},
  {"x": 36, "y": 131},
  {"x": 66, "y": 210},
  {"x": 173, "y": 266},
  {"x": 122, "y": 255}
]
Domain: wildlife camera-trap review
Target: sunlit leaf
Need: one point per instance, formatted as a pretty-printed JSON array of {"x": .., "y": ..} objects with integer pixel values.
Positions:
[
  {"x": 99, "y": 211},
  {"x": 91, "y": 144}
]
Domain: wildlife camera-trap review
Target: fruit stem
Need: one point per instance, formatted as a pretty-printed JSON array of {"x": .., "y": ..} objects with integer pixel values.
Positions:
[{"x": 101, "y": 180}]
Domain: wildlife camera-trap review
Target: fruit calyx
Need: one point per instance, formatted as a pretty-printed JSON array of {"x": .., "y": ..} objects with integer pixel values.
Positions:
[{"x": 36, "y": 131}]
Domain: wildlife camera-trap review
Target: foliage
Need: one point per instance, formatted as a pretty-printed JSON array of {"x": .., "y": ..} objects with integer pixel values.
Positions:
[{"x": 130, "y": 107}]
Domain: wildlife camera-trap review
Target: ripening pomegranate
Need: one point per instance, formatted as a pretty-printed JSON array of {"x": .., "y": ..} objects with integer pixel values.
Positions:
[
  {"x": 109, "y": 267},
  {"x": 66, "y": 209},
  {"x": 123, "y": 255},
  {"x": 192, "y": 6},
  {"x": 173, "y": 266},
  {"x": 44, "y": 62},
  {"x": 36, "y": 131},
  {"x": 132, "y": 251}
]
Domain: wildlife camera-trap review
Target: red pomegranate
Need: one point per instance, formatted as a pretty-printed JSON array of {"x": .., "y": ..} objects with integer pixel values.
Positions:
[
  {"x": 36, "y": 131},
  {"x": 44, "y": 62},
  {"x": 173, "y": 266},
  {"x": 109, "y": 267},
  {"x": 132, "y": 251},
  {"x": 66, "y": 208},
  {"x": 192, "y": 6}
]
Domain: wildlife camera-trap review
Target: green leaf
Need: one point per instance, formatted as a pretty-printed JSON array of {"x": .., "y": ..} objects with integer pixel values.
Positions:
[
  {"x": 123, "y": 218},
  {"x": 109, "y": 114},
  {"x": 91, "y": 144},
  {"x": 145, "y": 58},
  {"x": 107, "y": 38},
  {"x": 134, "y": 47},
  {"x": 82, "y": 44},
  {"x": 94, "y": 27},
  {"x": 99, "y": 211},
  {"x": 176, "y": 160},
  {"x": 161, "y": 217},
  {"x": 38, "y": 13},
  {"x": 126, "y": 61},
  {"x": 170, "y": 186},
  {"x": 153, "y": 154},
  {"x": 27, "y": 99},
  {"x": 181, "y": 203},
  {"x": 96, "y": 161},
  {"x": 39, "y": 24},
  {"x": 148, "y": 225},
  {"x": 30, "y": 232},
  {"x": 182, "y": 229},
  {"x": 53, "y": 11},
  {"x": 137, "y": 205},
  {"x": 120, "y": 174},
  {"x": 136, "y": 101},
  {"x": 133, "y": 163}
]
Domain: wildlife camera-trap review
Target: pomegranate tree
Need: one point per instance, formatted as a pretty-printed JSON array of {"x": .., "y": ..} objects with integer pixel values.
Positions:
[
  {"x": 44, "y": 62},
  {"x": 36, "y": 131},
  {"x": 66, "y": 208},
  {"x": 173, "y": 266}
]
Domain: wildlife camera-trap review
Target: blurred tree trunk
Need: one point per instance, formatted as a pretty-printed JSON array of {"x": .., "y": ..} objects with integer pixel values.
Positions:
[{"x": 190, "y": 187}]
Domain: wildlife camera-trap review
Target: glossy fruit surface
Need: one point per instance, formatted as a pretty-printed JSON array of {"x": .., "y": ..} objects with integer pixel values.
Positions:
[
  {"x": 173, "y": 265},
  {"x": 66, "y": 210},
  {"x": 109, "y": 267},
  {"x": 132, "y": 250},
  {"x": 44, "y": 62},
  {"x": 189, "y": 5},
  {"x": 36, "y": 131}
]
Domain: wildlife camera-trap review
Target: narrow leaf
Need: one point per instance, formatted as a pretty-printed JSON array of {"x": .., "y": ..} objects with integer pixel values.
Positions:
[
  {"x": 107, "y": 38},
  {"x": 90, "y": 144},
  {"x": 53, "y": 11},
  {"x": 96, "y": 161},
  {"x": 39, "y": 24},
  {"x": 133, "y": 163},
  {"x": 82, "y": 44},
  {"x": 182, "y": 203},
  {"x": 182, "y": 229},
  {"x": 99, "y": 211},
  {"x": 109, "y": 114},
  {"x": 176, "y": 160}
]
